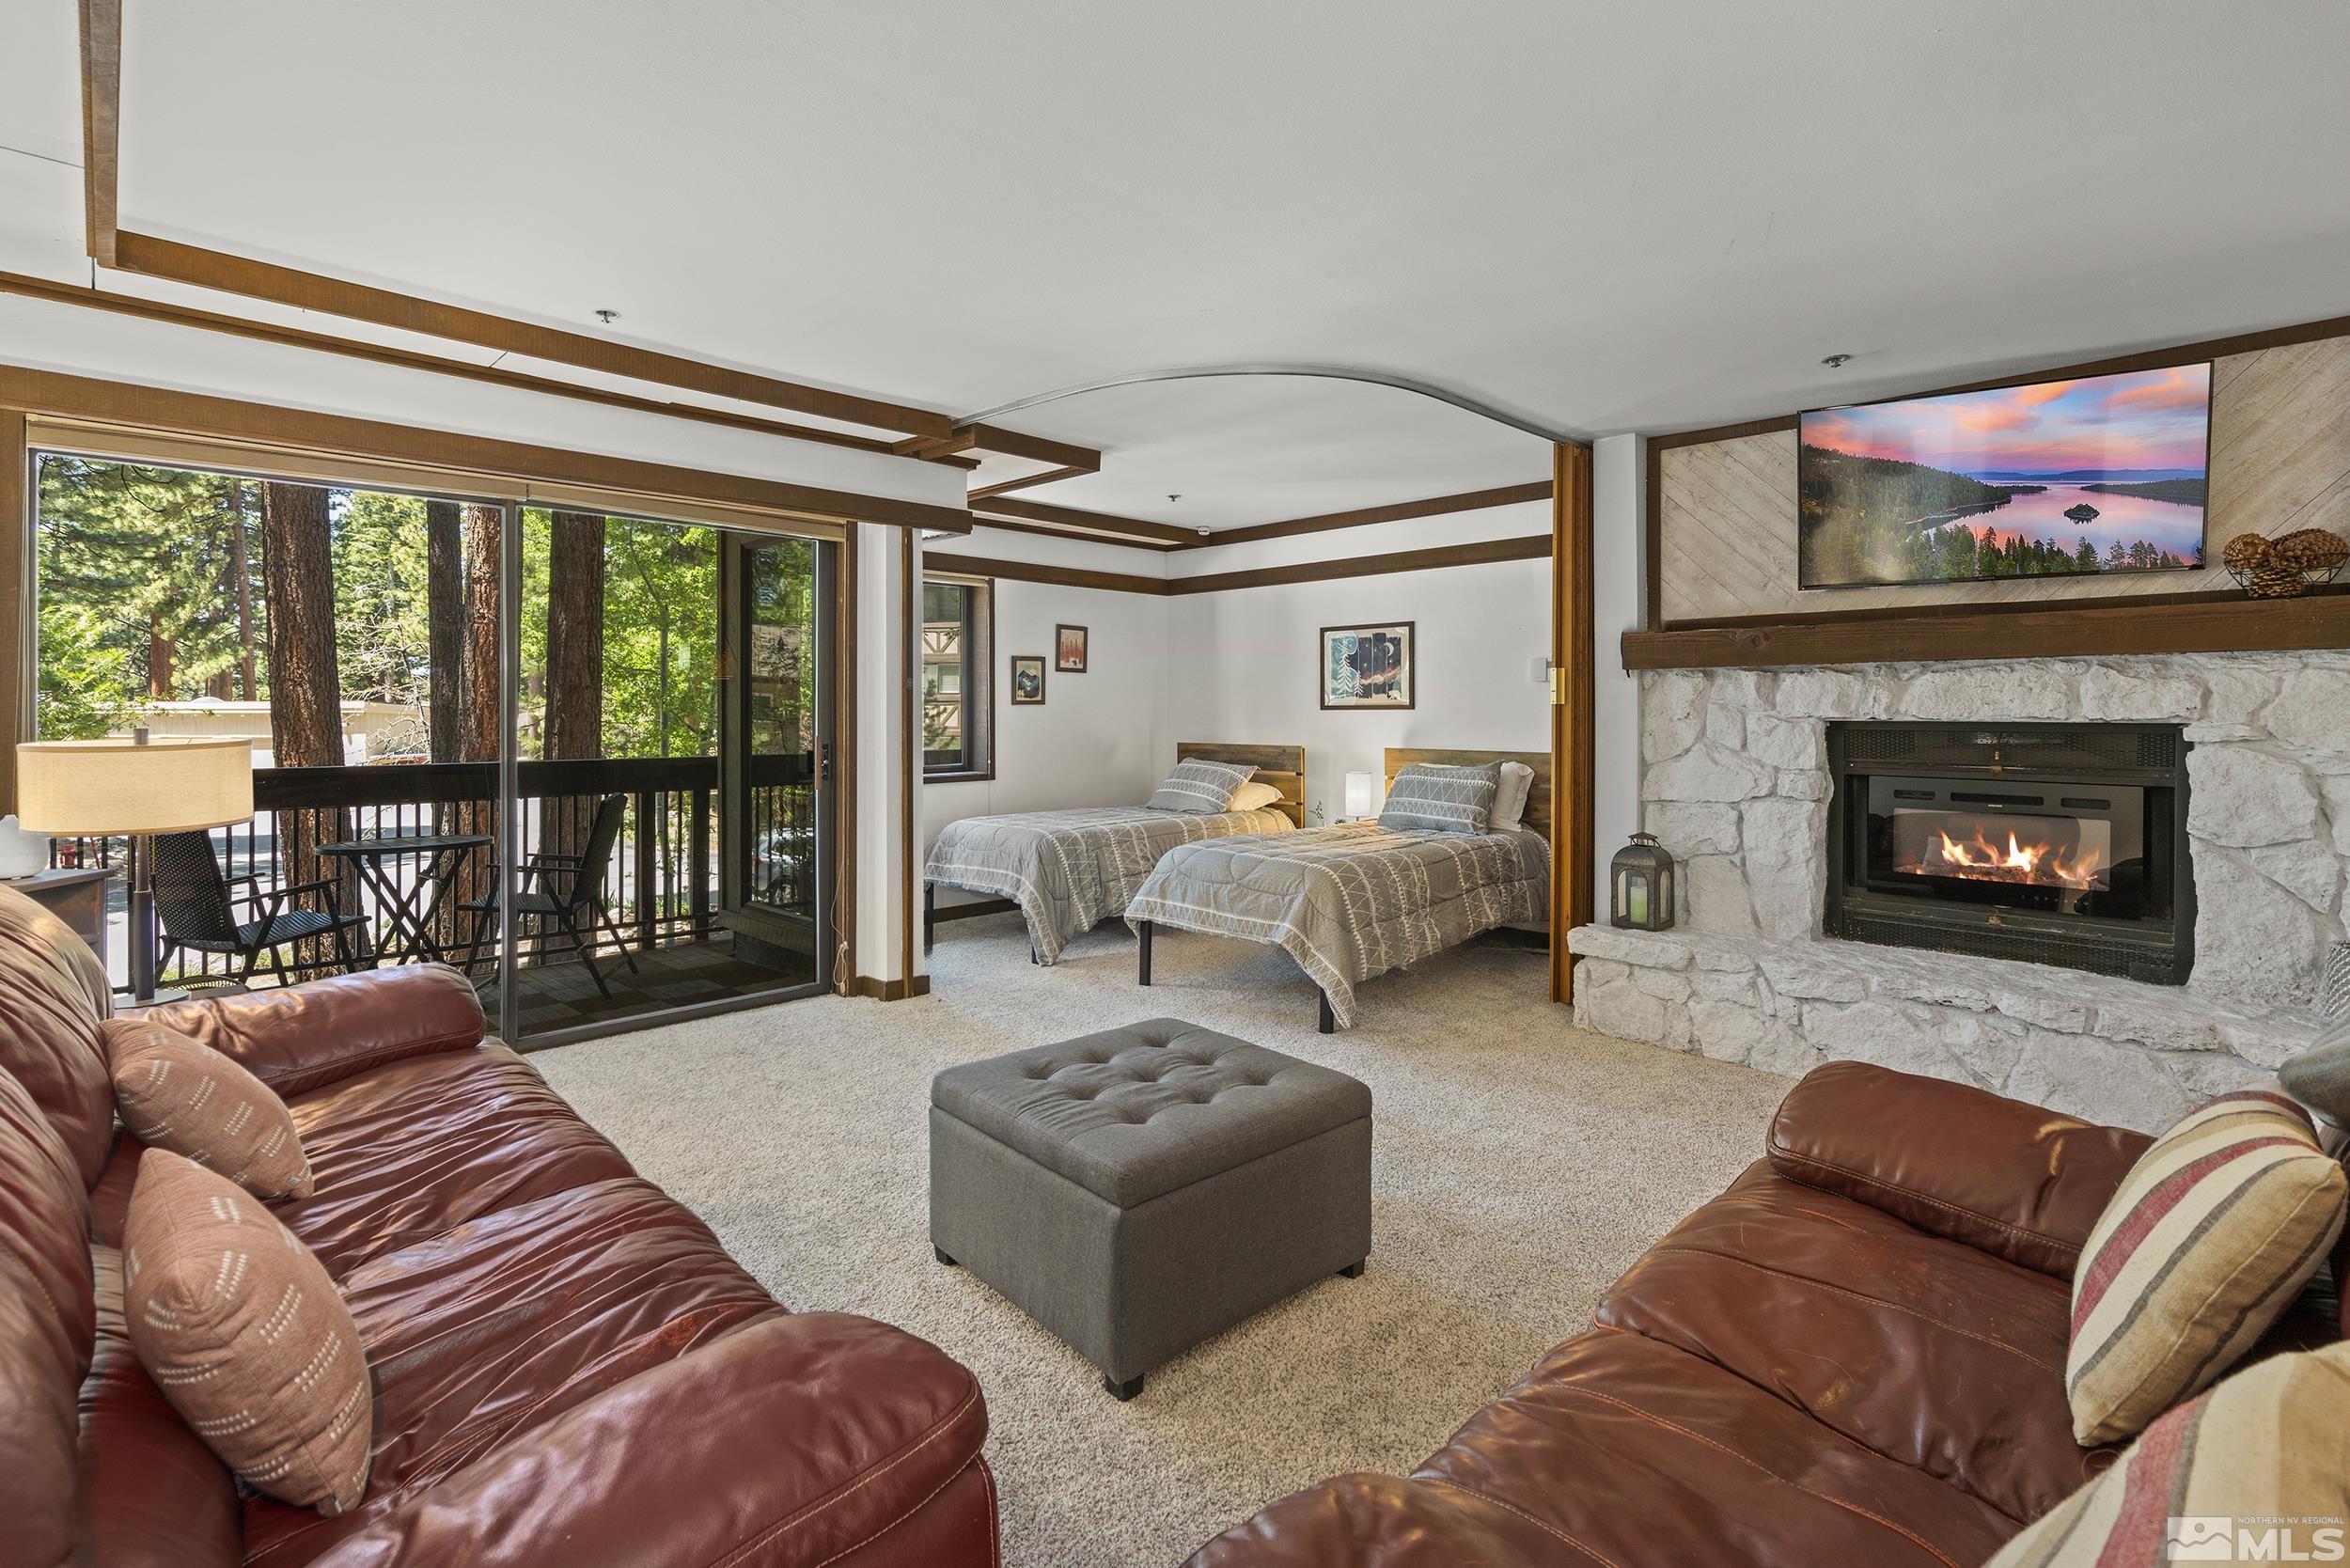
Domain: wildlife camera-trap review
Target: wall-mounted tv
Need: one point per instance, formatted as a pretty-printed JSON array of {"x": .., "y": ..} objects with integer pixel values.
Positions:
[{"x": 2050, "y": 478}]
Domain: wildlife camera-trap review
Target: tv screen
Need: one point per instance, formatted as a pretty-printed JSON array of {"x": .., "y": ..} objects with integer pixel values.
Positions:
[{"x": 2051, "y": 478}]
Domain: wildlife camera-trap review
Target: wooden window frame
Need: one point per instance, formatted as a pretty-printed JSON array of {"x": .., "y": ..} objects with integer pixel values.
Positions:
[{"x": 979, "y": 692}]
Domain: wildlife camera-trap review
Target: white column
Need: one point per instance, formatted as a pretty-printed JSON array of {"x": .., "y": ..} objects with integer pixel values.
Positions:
[{"x": 883, "y": 640}]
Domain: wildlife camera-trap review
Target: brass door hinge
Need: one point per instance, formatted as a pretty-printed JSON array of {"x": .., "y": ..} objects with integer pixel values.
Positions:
[{"x": 1557, "y": 686}]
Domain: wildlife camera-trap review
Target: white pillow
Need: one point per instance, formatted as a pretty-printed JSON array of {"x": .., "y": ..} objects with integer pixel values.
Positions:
[
  {"x": 1253, "y": 796},
  {"x": 1518, "y": 783}
]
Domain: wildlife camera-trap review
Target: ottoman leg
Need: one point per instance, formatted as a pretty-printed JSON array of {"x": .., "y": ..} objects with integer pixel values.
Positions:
[
  {"x": 1123, "y": 1391},
  {"x": 1352, "y": 1271},
  {"x": 940, "y": 1253}
]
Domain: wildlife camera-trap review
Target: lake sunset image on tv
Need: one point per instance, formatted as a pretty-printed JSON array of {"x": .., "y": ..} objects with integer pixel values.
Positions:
[{"x": 2055, "y": 478}]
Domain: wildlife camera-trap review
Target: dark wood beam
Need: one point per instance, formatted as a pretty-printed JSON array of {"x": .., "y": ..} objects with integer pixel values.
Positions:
[
  {"x": 1435, "y": 505},
  {"x": 1004, "y": 443},
  {"x": 150, "y": 257},
  {"x": 1096, "y": 522},
  {"x": 1049, "y": 531},
  {"x": 101, "y": 124},
  {"x": 1531, "y": 547},
  {"x": 1025, "y": 481},
  {"x": 1573, "y": 720},
  {"x": 232, "y": 419},
  {"x": 1031, "y": 572}
]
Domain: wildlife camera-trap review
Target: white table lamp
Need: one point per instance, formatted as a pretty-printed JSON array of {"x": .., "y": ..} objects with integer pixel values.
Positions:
[
  {"x": 136, "y": 786},
  {"x": 1358, "y": 796}
]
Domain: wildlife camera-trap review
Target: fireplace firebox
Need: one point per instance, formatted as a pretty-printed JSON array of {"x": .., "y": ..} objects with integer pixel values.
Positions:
[{"x": 2054, "y": 843}]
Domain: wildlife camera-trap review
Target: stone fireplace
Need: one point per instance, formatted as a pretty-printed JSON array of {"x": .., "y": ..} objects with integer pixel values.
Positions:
[{"x": 2247, "y": 822}]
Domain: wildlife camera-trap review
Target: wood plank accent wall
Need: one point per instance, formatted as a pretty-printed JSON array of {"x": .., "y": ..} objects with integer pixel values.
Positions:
[{"x": 1726, "y": 522}]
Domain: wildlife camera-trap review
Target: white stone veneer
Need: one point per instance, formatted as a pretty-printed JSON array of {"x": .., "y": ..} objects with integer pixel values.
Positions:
[{"x": 1734, "y": 783}]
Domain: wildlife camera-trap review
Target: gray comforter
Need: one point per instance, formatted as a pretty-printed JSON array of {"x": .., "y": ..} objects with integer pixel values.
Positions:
[
  {"x": 1350, "y": 901},
  {"x": 1069, "y": 870}
]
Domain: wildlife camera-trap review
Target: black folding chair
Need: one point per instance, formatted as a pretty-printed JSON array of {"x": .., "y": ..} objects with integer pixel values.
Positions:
[
  {"x": 197, "y": 912},
  {"x": 567, "y": 889}
]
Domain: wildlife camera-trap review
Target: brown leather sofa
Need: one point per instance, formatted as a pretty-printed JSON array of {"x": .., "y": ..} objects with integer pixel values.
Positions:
[
  {"x": 1853, "y": 1356},
  {"x": 570, "y": 1371}
]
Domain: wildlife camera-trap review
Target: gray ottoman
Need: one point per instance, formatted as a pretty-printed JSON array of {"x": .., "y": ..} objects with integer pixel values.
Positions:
[{"x": 1137, "y": 1190}]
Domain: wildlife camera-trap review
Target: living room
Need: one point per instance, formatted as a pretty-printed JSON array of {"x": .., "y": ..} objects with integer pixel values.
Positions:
[{"x": 1345, "y": 785}]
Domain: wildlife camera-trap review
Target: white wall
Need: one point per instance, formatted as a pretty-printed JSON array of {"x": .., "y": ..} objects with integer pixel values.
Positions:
[{"x": 1619, "y": 480}]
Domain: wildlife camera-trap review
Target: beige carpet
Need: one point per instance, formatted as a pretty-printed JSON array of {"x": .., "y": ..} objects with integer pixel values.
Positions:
[{"x": 1520, "y": 1164}]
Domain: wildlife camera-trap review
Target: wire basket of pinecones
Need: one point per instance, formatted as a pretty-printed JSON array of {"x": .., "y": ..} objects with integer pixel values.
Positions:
[{"x": 2285, "y": 567}]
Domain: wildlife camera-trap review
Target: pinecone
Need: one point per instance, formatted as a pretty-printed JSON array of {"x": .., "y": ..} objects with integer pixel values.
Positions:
[
  {"x": 2276, "y": 582},
  {"x": 2312, "y": 550},
  {"x": 2246, "y": 551}
]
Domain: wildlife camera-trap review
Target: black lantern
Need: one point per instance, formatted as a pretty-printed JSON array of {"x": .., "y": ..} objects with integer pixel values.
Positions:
[{"x": 1642, "y": 884}]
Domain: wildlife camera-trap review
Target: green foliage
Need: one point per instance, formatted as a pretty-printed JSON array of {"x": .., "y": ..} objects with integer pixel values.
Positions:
[{"x": 659, "y": 637}]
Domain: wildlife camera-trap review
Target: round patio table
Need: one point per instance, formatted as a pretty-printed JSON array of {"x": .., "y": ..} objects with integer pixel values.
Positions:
[{"x": 408, "y": 912}]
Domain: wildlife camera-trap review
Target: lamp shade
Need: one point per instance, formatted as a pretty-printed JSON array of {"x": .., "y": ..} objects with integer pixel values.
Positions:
[
  {"x": 1358, "y": 795},
  {"x": 94, "y": 788}
]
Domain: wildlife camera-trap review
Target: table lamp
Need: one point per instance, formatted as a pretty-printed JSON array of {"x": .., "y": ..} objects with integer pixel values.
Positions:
[
  {"x": 1357, "y": 796},
  {"x": 137, "y": 788}
]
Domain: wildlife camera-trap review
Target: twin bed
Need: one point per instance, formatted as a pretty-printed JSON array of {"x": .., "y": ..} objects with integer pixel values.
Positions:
[{"x": 1349, "y": 902}]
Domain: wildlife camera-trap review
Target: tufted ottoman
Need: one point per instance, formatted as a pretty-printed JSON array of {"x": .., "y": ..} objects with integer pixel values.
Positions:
[{"x": 1137, "y": 1190}]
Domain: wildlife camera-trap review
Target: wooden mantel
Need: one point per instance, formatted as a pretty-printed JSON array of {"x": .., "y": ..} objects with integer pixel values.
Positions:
[{"x": 2200, "y": 623}]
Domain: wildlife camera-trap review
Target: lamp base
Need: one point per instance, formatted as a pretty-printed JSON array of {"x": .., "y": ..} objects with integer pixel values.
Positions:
[{"x": 127, "y": 1002}]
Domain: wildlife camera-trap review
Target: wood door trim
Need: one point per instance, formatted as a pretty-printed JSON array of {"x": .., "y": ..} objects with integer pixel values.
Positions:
[
  {"x": 130, "y": 403},
  {"x": 16, "y": 599},
  {"x": 1573, "y": 708},
  {"x": 910, "y": 739},
  {"x": 845, "y": 665},
  {"x": 102, "y": 125},
  {"x": 150, "y": 257},
  {"x": 1400, "y": 511}
]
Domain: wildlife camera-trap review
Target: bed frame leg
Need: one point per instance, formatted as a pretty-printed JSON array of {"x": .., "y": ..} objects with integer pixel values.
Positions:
[
  {"x": 1142, "y": 933},
  {"x": 930, "y": 915},
  {"x": 1328, "y": 1022}
]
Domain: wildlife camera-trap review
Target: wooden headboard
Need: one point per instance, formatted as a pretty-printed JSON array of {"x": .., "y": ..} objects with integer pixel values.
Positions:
[
  {"x": 1281, "y": 766},
  {"x": 1537, "y": 817}
]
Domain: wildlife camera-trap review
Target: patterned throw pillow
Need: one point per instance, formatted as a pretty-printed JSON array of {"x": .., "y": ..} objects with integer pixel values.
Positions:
[
  {"x": 246, "y": 1335},
  {"x": 176, "y": 1092},
  {"x": 1430, "y": 797},
  {"x": 2260, "y": 1451},
  {"x": 1201, "y": 786},
  {"x": 2213, "y": 1232}
]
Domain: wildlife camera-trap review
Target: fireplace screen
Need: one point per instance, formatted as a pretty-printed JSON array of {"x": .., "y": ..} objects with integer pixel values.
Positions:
[{"x": 2060, "y": 844}]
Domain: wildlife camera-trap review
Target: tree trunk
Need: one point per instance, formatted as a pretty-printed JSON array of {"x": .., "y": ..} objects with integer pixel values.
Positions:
[
  {"x": 475, "y": 689},
  {"x": 445, "y": 623},
  {"x": 573, "y": 726},
  {"x": 159, "y": 657},
  {"x": 305, "y": 688},
  {"x": 240, "y": 563}
]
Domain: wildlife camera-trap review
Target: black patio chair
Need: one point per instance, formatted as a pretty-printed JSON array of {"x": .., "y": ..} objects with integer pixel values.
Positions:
[
  {"x": 199, "y": 915},
  {"x": 563, "y": 888}
]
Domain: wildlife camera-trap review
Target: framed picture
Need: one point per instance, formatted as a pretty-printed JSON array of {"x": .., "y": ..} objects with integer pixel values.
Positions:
[
  {"x": 1069, "y": 649},
  {"x": 2053, "y": 478},
  {"x": 1367, "y": 666},
  {"x": 1027, "y": 679}
]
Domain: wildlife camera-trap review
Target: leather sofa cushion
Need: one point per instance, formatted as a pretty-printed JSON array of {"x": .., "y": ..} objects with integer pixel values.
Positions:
[
  {"x": 177, "y": 1093},
  {"x": 2015, "y": 1180},
  {"x": 300, "y": 1037},
  {"x": 1921, "y": 1349},
  {"x": 412, "y": 1148},
  {"x": 48, "y": 1321},
  {"x": 52, "y": 996}
]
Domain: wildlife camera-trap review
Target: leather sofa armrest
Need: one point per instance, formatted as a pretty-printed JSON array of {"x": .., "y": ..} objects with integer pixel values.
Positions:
[
  {"x": 795, "y": 1439},
  {"x": 2019, "y": 1182},
  {"x": 298, "y": 1037},
  {"x": 1388, "y": 1520}
]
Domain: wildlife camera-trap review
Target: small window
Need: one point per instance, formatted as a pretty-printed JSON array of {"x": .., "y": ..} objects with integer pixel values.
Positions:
[{"x": 958, "y": 703}]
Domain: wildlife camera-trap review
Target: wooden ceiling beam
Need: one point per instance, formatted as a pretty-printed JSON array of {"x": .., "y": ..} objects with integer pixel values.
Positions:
[
  {"x": 1025, "y": 481},
  {"x": 1069, "y": 517},
  {"x": 149, "y": 256},
  {"x": 1004, "y": 443},
  {"x": 101, "y": 124},
  {"x": 1435, "y": 505}
]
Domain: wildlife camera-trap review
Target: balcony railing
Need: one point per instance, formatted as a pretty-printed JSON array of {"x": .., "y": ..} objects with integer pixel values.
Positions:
[{"x": 661, "y": 885}]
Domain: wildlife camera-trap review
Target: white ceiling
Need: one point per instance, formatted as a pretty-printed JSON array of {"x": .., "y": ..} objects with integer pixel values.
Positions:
[{"x": 1636, "y": 217}]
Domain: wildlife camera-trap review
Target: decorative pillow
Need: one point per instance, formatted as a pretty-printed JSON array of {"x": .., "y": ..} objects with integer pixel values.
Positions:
[
  {"x": 2215, "y": 1230},
  {"x": 1517, "y": 784},
  {"x": 2260, "y": 1453},
  {"x": 1430, "y": 797},
  {"x": 2319, "y": 1077},
  {"x": 1253, "y": 796},
  {"x": 246, "y": 1335},
  {"x": 176, "y": 1092},
  {"x": 1201, "y": 786}
]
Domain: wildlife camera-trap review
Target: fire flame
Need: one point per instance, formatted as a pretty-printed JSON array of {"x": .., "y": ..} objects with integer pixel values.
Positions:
[{"x": 2037, "y": 863}]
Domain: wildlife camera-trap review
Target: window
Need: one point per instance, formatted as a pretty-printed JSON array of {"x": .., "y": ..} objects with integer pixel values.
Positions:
[{"x": 958, "y": 701}]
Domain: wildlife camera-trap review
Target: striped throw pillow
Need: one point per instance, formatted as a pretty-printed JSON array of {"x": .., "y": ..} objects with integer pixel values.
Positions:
[
  {"x": 1430, "y": 797},
  {"x": 176, "y": 1092},
  {"x": 2214, "y": 1230},
  {"x": 2260, "y": 1453},
  {"x": 240, "y": 1326},
  {"x": 1201, "y": 786}
]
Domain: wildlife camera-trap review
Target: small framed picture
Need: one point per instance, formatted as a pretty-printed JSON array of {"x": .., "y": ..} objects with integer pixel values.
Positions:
[
  {"x": 1069, "y": 649},
  {"x": 1367, "y": 666},
  {"x": 1027, "y": 679}
]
